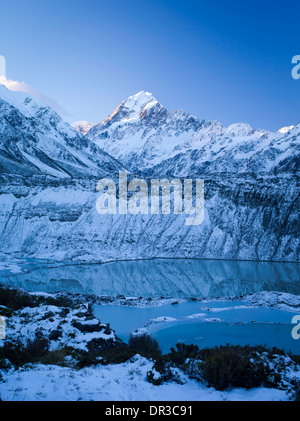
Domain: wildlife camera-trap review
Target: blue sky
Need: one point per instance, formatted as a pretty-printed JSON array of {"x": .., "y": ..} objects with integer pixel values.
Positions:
[{"x": 219, "y": 60}]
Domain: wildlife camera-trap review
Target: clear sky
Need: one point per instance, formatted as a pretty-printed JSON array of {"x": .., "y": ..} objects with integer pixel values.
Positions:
[{"x": 219, "y": 60}]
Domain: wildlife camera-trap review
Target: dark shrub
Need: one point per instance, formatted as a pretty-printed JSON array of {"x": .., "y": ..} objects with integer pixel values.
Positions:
[
  {"x": 38, "y": 347},
  {"x": 15, "y": 353},
  {"x": 15, "y": 299},
  {"x": 151, "y": 379},
  {"x": 223, "y": 367},
  {"x": 86, "y": 360},
  {"x": 144, "y": 345},
  {"x": 231, "y": 367},
  {"x": 227, "y": 366},
  {"x": 59, "y": 301},
  {"x": 55, "y": 357},
  {"x": 181, "y": 353},
  {"x": 117, "y": 355}
]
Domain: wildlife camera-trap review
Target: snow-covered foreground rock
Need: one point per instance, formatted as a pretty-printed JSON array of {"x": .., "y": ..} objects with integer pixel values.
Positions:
[
  {"x": 121, "y": 382},
  {"x": 56, "y": 349},
  {"x": 59, "y": 320}
]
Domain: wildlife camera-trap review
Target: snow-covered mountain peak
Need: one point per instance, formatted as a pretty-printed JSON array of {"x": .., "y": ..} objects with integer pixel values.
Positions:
[
  {"x": 33, "y": 107},
  {"x": 83, "y": 126},
  {"x": 26, "y": 104},
  {"x": 142, "y": 134},
  {"x": 286, "y": 129},
  {"x": 239, "y": 129},
  {"x": 138, "y": 101},
  {"x": 132, "y": 109},
  {"x": 35, "y": 140}
]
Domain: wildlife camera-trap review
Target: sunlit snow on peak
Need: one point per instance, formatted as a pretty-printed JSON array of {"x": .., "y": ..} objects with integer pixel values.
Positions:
[{"x": 285, "y": 129}]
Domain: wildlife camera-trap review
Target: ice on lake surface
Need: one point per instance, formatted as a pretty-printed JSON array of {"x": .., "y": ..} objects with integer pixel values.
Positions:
[{"x": 204, "y": 324}]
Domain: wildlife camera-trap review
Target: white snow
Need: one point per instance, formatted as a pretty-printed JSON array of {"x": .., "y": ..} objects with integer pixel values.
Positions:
[
  {"x": 141, "y": 143},
  {"x": 83, "y": 126},
  {"x": 285, "y": 129},
  {"x": 161, "y": 319},
  {"x": 122, "y": 382},
  {"x": 24, "y": 324}
]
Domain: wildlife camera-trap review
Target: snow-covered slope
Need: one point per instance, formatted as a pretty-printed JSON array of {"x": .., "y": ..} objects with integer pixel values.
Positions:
[
  {"x": 236, "y": 151},
  {"x": 251, "y": 185},
  {"x": 244, "y": 219},
  {"x": 35, "y": 140},
  {"x": 142, "y": 134}
]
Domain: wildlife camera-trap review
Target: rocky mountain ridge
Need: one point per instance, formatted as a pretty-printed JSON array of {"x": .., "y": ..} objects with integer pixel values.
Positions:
[{"x": 49, "y": 173}]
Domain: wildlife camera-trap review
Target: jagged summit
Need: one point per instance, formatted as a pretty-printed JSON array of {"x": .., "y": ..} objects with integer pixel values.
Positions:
[
  {"x": 142, "y": 134},
  {"x": 139, "y": 101},
  {"x": 132, "y": 109}
]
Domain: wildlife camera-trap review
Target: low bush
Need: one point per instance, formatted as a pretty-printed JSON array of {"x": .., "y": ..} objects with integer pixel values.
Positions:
[
  {"x": 56, "y": 357},
  {"x": 15, "y": 299},
  {"x": 15, "y": 353},
  {"x": 145, "y": 345},
  {"x": 222, "y": 367},
  {"x": 117, "y": 355},
  {"x": 37, "y": 347},
  {"x": 230, "y": 366},
  {"x": 86, "y": 360}
]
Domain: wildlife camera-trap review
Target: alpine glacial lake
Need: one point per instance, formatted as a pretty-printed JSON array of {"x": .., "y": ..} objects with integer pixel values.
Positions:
[{"x": 208, "y": 323}]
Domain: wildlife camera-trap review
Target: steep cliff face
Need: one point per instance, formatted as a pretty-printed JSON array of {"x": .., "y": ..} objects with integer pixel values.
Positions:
[
  {"x": 244, "y": 219},
  {"x": 49, "y": 174}
]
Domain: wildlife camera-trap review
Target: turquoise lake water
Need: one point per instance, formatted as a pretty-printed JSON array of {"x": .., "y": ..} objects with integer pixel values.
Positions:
[{"x": 204, "y": 324}]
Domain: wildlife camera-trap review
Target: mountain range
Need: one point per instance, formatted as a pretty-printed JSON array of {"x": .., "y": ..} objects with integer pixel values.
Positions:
[
  {"x": 49, "y": 171},
  {"x": 143, "y": 135}
]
